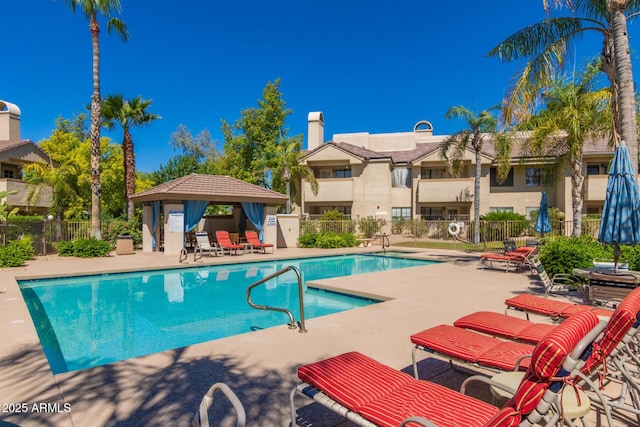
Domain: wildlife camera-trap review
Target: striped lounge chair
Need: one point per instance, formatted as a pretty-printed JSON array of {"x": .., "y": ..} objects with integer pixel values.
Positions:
[
  {"x": 613, "y": 381},
  {"x": 369, "y": 393},
  {"x": 469, "y": 342},
  {"x": 516, "y": 258}
]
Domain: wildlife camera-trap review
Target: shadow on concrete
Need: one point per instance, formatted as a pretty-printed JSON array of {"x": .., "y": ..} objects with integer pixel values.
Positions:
[{"x": 135, "y": 394}]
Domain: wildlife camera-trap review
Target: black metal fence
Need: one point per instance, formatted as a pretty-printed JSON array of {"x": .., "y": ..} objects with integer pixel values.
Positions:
[
  {"x": 439, "y": 233},
  {"x": 46, "y": 234}
]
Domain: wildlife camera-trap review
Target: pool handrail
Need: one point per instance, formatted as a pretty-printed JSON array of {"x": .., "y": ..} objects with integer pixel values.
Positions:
[{"x": 292, "y": 322}]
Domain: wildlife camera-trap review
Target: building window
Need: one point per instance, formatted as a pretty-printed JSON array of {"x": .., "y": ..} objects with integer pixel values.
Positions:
[
  {"x": 401, "y": 177},
  {"x": 501, "y": 209},
  {"x": 342, "y": 173},
  {"x": 339, "y": 172},
  {"x": 536, "y": 177},
  {"x": 508, "y": 182},
  {"x": 530, "y": 209},
  {"x": 430, "y": 173},
  {"x": 431, "y": 213},
  {"x": 400, "y": 213},
  {"x": 8, "y": 173}
]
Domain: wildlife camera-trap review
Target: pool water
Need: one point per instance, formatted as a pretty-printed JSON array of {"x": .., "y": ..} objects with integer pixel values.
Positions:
[{"x": 89, "y": 321}]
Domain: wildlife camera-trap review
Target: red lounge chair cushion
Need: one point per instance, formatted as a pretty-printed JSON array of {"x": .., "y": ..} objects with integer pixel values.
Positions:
[
  {"x": 622, "y": 320},
  {"x": 549, "y": 354},
  {"x": 536, "y": 304},
  {"x": 353, "y": 379},
  {"x": 438, "y": 404},
  {"x": 455, "y": 342},
  {"x": 508, "y": 256},
  {"x": 535, "y": 332},
  {"x": 505, "y": 326},
  {"x": 506, "y": 354}
]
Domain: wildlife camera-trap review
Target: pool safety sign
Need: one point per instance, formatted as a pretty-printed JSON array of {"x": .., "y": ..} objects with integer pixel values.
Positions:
[
  {"x": 176, "y": 221},
  {"x": 271, "y": 221}
]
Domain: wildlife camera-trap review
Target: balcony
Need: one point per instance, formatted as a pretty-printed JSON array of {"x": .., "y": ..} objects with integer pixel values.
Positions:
[
  {"x": 595, "y": 187},
  {"x": 330, "y": 190},
  {"x": 445, "y": 190},
  {"x": 19, "y": 199}
]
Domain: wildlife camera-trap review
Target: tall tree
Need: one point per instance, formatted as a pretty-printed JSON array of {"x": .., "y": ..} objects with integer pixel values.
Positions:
[
  {"x": 127, "y": 113},
  {"x": 546, "y": 45},
  {"x": 287, "y": 170},
  {"x": 480, "y": 127},
  {"x": 573, "y": 113},
  {"x": 249, "y": 142},
  {"x": 201, "y": 146},
  {"x": 92, "y": 9}
]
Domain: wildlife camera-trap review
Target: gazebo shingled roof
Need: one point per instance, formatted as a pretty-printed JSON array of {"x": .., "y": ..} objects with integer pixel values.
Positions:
[{"x": 213, "y": 188}]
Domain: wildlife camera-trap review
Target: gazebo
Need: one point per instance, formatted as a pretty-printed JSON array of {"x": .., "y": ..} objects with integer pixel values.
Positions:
[{"x": 183, "y": 202}]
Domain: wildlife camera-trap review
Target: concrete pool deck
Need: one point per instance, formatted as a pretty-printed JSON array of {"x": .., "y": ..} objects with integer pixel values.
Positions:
[{"x": 164, "y": 389}]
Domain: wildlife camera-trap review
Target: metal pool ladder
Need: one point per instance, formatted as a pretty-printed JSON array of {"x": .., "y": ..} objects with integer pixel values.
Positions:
[{"x": 292, "y": 322}]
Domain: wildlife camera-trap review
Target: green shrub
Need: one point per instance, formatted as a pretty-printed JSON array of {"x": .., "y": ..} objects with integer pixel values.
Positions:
[
  {"x": 498, "y": 225},
  {"x": 563, "y": 254},
  {"x": 370, "y": 226},
  {"x": 119, "y": 227},
  {"x": 308, "y": 240},
  {"x": 327, "y": 240},
  {"x": 332, "y": 215},
  {"x": 16, "y": 252},
  {"x": 85, "y": 248}
]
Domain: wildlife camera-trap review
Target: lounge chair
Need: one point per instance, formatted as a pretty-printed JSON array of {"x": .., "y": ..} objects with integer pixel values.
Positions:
[
  {"x": 558, "y": 309},
  {"x": 372, "y": 394},
  {"x": 252, "y": 238},
  {"x": 466, "y": 341},
  {"x": 201, "y": 418},
  {"x": 516, "y": 258},
  {"x": 225, "y": 243},
  {"x": 204, "y": 246},
  {"x": 608, "y": 363}
]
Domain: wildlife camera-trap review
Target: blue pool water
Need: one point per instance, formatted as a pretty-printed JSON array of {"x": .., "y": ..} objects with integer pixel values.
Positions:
[{"x": 89, "y": 321}]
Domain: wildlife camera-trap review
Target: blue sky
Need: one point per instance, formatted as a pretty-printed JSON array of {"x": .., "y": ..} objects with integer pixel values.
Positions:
[{"x": 367, "y": 65}]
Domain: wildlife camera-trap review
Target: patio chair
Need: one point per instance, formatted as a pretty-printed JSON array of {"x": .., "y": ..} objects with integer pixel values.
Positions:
[
  {"x": 204, "y": 246},
  {"x": 515, "y": 257},
  {"x": 369, "y": 393},
  {"x": 607, "y": 365},
  {"x": 252, "y": 238},
  {"x": 201, "y": 418},
  {"x": 225, "y": 243}
]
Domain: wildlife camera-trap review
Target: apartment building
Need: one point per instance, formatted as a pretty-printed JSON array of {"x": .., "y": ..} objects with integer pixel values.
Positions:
[
  {"x": 402, "y": 176},
  {"x": 15, "y": 153}
]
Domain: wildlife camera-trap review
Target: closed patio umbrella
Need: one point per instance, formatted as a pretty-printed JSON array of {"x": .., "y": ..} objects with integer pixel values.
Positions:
[
  {"x": 543, "y": 224},
  {"x": 620, "y": 223}
]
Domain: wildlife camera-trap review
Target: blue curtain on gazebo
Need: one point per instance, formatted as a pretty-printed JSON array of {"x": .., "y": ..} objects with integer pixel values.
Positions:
[
  {"x": 155, "y": 219},
  {"x": 193, "y": 211},
  {"x": 254, "y": 212}
]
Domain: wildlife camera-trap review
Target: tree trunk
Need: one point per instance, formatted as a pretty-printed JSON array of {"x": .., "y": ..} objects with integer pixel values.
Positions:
[
  {"x": 576, "y": 194},
  {"x": 129, "y": 173},
  {"x": 624, "y": 79},
  {"x": 476, "y": 198},
  {"x": 96, "y": 108}
]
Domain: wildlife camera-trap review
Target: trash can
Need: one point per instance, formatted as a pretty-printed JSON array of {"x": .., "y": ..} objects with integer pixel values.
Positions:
[{"x": 124, "y": 245}]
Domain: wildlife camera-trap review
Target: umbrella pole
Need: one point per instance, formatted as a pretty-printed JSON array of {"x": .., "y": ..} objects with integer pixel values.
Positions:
[{"x": 616, "y": 256}]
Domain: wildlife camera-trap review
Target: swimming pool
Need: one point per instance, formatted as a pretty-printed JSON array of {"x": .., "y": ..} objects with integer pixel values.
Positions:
[{"x": 89, "y": 321}]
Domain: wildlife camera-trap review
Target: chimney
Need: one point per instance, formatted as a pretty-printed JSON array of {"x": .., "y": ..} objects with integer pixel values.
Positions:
[
  {"x": 9, "y": 121},
  {"x": 315, "y": 133}
]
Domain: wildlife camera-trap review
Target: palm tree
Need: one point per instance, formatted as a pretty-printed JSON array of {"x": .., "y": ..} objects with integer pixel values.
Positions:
[
  {"x": 127, "y": 113},
  {"x": 287, "y": 168},
  {"x": 573, "y": 113},
  {"x": 61, "y": 180},
  {"x": 546, "y": 44},
  {"x": 481, "y": 127},
  {"x": 91, "y": 10}
]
